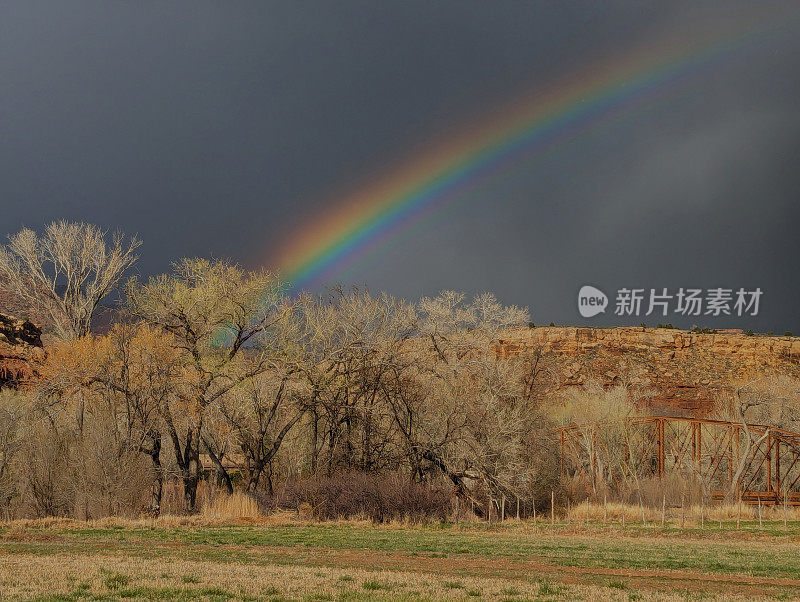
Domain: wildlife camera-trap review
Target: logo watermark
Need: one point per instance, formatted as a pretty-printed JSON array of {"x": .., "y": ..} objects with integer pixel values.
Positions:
[
  {"x": 591, "y": 301},
  {"x": 662, "y": 302}
]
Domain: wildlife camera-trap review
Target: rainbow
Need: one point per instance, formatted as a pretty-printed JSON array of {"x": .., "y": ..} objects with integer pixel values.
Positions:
[{"x": 608, "y": 90}]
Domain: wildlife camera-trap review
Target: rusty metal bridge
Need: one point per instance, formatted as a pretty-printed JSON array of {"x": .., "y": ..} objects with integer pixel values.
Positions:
[{"x": 750, "y": 462}]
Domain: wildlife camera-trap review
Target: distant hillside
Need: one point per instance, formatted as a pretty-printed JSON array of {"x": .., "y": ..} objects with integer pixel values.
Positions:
[{"x": 686, "y": 370}]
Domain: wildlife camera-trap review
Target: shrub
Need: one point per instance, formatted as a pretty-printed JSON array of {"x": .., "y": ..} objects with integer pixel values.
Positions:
[{"x": 381, "y": 498}]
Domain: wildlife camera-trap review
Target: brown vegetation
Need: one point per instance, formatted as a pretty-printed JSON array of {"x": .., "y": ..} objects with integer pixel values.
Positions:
[{"x": 348, "y": 404}]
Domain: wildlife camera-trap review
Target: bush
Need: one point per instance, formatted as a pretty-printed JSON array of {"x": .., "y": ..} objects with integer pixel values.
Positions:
[
  {"x": 704, "y": 330},
  {"x": 381, "y": 498}
]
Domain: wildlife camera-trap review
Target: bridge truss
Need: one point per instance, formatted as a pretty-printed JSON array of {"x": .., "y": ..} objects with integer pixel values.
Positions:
[{"x": 749, "y": 461}]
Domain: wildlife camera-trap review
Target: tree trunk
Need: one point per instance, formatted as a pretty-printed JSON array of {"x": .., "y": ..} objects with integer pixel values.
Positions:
[
  {"x": 314, "y": 437},
  {"x": 190, "y": 481},
  {"x": 254, "y": 477},
  {"x": 270, "y": 488},
  {"x": 157, "y": 489},
  {"x": 221, "y": 472},
  {"x": 191, "y": 470}
]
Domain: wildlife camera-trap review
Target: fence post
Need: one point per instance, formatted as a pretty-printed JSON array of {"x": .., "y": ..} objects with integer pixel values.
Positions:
[
  {"x": 683, "y": 510},
  {"x": 760, "y": 524},
  {"x": 702, "y": 512},
  {"x": 663, "y": 510},
  {"x": 785, "y": 517},
  {"x": 641, "y": 507},
  {"x": 739, "y": 515}
]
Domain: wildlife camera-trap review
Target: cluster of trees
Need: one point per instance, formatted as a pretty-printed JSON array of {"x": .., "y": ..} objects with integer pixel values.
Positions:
[
  {"x": 212, "y": 372},
  {"x": 213, "y": 362}
]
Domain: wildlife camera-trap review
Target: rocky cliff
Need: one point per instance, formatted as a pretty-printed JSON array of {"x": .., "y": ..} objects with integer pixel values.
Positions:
[
  {"x": 686, "y": 370},
  {"x": 20, "y": 350}
]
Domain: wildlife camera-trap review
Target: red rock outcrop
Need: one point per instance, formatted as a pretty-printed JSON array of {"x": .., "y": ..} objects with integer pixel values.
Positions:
[
  {"x": 20, "y": 350},
  {"x": 685, "y": 370}
]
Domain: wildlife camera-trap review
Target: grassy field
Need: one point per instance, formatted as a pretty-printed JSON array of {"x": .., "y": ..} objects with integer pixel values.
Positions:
[{"x": 278, "y": 559}]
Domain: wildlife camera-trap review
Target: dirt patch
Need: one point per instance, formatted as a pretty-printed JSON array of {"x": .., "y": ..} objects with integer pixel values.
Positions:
[
  {"x": 481, "y": 566},
  {"x": 26, "y": 536}
]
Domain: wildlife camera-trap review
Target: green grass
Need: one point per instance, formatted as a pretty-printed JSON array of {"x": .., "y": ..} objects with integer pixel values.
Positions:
[
  {"x": 116, "y": 581},
  {"x": 374, "y": 585},
  {"x": 708, "y": 551},
  {"x": 547, "y": 589},
  {"x": 705, "y": 552}
]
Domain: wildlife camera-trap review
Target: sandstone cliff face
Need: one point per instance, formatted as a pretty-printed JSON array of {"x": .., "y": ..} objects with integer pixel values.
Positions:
[
  {"x": 20, "y": 350},
  {"x": 685, "y": 370}
]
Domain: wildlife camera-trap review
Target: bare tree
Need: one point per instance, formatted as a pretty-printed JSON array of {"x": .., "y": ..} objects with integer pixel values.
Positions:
[
  {"x": 213, "y": 311},
  {"x": 12, "y": 412},
  {"x": 355, "y": 342},
  {"x": 483, "y": 427},
  {"x": 609, "y": 455},
  {"x": 260, "y": 414},
  {"x": 139, "y": 366},
  {"x": 64, "y": 274},
  {"x": 769, "y": 401}
]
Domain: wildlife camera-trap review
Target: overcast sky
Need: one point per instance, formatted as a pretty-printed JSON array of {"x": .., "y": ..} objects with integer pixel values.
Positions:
[{"x": 220, "y": 128}]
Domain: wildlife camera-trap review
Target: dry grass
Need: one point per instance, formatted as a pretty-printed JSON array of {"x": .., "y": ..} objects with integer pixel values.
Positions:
[
  {"x": 690, "y": 515},
  {"x": 30, "y": 576},
  {"x": 241, "y": 509},
  {"x": 282, "y": 557},
  {"x": 232, "y": 515},
  {"x": 236, "y": 506}
]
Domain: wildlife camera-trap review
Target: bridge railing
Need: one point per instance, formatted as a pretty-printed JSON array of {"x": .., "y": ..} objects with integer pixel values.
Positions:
[{"x": 729, "y": 459}]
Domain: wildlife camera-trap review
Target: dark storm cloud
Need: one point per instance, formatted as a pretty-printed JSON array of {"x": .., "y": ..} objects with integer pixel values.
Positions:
[{"x": 214, "y": 128}]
